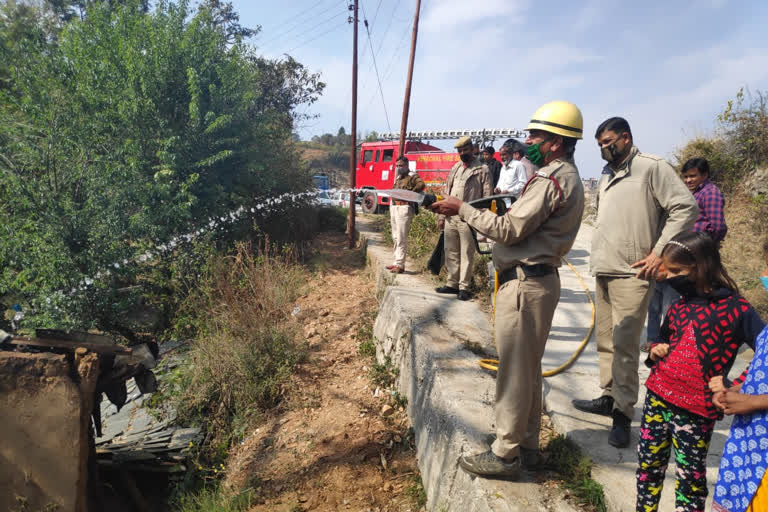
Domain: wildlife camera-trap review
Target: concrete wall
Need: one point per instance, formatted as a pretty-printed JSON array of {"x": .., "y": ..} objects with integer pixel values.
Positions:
[{"x": 42, "y": 453}]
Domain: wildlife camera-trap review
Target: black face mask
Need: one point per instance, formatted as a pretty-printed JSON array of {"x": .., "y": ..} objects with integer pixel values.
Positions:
[
  {"x": 611, "y": 153},
  {"x": 467, "y": 157},
  {"x": 683, "y": 286}
]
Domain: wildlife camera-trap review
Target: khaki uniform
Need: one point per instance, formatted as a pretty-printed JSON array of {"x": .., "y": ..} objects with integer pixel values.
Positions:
[
  {"x": 539, "y": 228},
  {"x": 467, "y": 183},
  {"x": 640, "y": 207},
  {"x": 401, "y": 216}
]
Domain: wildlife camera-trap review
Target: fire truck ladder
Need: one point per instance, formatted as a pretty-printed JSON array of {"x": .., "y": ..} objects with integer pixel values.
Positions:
[{"x": 481, "y": 136}]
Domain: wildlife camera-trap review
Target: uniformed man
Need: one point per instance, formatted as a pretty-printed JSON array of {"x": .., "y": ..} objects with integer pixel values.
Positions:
[
  {"x": 531, "y": 239},
  {"x": 469, "y": 180},
  {"x": 401, "y": 213}
]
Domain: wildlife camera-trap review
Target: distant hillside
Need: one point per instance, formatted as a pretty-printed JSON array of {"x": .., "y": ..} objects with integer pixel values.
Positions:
[{"x": 329, "y": 154}]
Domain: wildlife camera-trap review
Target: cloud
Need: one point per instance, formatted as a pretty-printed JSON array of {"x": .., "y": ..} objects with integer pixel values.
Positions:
[
  {"x": 453, "y": 15},
  {"x": 492, "y": 65}
]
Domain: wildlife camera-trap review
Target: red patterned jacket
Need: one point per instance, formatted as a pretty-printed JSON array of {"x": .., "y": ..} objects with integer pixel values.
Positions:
[{"x": 704, "y": 335}]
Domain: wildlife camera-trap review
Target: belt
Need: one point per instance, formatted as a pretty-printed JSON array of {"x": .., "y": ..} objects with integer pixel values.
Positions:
[
  {"x": 538, "y": 270},
  {"x": 397, "y": 202}
]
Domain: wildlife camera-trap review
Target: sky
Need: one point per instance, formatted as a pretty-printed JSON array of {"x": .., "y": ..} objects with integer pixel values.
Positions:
[{"x": 668, "y": 67}]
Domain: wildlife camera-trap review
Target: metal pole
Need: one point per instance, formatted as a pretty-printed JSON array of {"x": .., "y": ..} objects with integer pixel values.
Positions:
[
  {"x": 407, "y": 101},
  {"x": 353, "y": 144}
]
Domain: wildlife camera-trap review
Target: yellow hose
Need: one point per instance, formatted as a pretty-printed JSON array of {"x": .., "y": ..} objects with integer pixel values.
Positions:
[{"x": 493, "y": 364}]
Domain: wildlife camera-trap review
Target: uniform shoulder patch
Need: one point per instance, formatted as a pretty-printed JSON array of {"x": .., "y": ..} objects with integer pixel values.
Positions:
[{"x": 650, "y": 156}]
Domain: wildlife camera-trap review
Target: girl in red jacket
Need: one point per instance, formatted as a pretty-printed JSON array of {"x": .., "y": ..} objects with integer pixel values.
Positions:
[{"x": 700, "y": 338}]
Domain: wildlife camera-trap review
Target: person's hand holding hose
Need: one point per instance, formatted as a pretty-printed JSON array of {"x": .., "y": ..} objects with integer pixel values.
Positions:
[{"x": 448, "y": 206}]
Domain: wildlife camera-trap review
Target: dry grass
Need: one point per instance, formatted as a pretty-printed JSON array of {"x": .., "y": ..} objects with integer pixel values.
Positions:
[
  {"x": 742, "y": 251},
  {"x": 247, "y": 344}
]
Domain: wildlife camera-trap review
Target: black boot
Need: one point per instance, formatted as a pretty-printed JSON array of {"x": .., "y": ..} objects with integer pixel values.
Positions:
[
  {"x": 464, "y": 295},
  {"x": 619, "y": 436},
  {"x": 602, "y": 406}
]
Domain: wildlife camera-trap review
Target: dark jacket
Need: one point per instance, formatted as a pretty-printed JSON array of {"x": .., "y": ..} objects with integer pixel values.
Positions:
[{"x": 495, "y": 169}]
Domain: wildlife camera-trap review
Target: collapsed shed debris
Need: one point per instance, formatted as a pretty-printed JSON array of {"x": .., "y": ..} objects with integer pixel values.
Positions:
[{"x": 74, "y": 408}]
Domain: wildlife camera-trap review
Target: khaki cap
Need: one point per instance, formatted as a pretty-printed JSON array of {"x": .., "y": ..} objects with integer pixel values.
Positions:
[{"x": 463, "y": 142}]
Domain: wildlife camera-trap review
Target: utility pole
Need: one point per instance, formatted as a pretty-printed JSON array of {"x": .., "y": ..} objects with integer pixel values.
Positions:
[
  {"x": 407, "y": 101},
  {"x": 353, "y": 135}
]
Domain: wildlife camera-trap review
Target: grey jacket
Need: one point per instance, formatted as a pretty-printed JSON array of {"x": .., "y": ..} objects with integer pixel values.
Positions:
[{"x": 640, "y": 206}]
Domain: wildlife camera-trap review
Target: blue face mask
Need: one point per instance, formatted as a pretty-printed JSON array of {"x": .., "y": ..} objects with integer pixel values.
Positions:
[{"x": 764, "y": 279}]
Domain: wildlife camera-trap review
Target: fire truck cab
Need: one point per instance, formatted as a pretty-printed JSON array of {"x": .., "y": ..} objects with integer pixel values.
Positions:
[
  {"x": 376, "y": 161},
  {"x": 376, "y": 168}
]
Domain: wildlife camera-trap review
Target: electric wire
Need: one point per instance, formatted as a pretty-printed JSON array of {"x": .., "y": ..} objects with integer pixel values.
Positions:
[
  {"x": 322, "y": 24},
  {"x": 389, "y": 69},
  {"x": 375, "y": 14},
  {"x": 378, "y": 50},
  {"x": 386, "y": 30},
  {"x": 293, "y": 22},
  {"x": 375, "y": 67},
  {"x": 298, "y": 22},
  {"x": 335, "y": 27},
  {"x": 299, "y": 13}
]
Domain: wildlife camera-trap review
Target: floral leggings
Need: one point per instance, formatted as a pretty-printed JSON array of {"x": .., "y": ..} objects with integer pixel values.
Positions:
[{"x": 664, "y": 427}]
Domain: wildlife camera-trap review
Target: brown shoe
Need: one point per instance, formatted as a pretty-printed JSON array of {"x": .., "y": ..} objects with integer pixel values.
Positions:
[
  {"x": 397, "y": 270},
  {"x": 390, "y": 267}
]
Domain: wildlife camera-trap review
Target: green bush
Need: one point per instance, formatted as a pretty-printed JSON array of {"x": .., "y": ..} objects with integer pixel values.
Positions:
[
  {"x": 123, "y": 129},
  {"x": 423, "y": 236},
  {"x": 726, "y": 168},
  {"x": 740, "y": 143},
  {"x": 332, "y": 218}
]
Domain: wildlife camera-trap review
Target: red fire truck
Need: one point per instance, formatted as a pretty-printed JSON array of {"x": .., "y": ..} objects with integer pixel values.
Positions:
[{"x": 376, "y": 161}]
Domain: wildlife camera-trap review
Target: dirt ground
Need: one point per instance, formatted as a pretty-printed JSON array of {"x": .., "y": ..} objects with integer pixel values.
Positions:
[{"x": 333, "y": 445}]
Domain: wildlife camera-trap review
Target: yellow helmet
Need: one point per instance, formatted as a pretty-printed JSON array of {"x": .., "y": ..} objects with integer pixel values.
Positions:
[{"x": 559, "y": 117}]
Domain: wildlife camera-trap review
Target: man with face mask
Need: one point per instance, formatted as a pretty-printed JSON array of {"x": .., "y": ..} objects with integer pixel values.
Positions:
[
  {"x": 513, "y": 174},
  {"x": 401, "y": 213},
  {"x": 468, "y": 180},
  {"x": 531, "y": 239},
  {"x": 641, "y": 205}
]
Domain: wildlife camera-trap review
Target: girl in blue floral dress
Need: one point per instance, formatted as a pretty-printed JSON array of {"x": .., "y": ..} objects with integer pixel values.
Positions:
[{"x": 742, "y": 484}]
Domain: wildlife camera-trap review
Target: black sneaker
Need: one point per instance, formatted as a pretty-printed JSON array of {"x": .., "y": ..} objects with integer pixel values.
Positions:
[
  {"x": 602, "y": 406},
  {"x": 489, "y": 465},
  {"x": 464, "y": 295},
  {"x": 619, "y": 436},
  {"x": 447, "y": 289}
]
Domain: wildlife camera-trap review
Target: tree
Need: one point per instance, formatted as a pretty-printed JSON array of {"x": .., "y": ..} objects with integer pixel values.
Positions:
[
  {"x": 126, "y": 131},
  {"x": 224, "y": 16}
]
